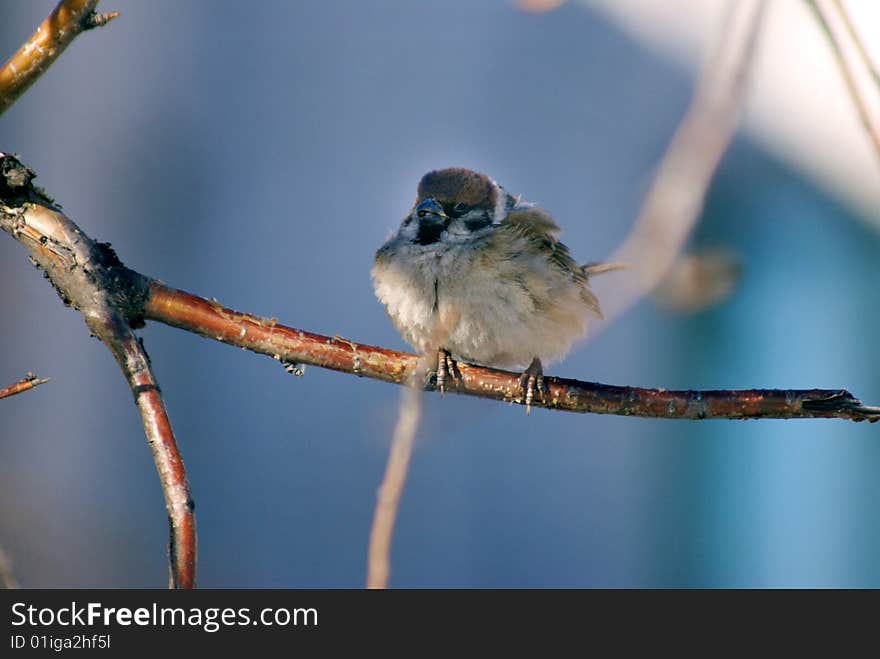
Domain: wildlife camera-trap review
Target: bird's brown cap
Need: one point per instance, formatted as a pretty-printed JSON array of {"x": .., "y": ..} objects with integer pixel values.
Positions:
[{"x": 459, "y": 185}]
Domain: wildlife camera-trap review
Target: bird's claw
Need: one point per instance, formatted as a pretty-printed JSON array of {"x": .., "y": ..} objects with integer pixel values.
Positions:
[
  {"x": 446, "y": 367},
  {"x": 532, "y": 380},
  {"x": 294, "y": 368}
]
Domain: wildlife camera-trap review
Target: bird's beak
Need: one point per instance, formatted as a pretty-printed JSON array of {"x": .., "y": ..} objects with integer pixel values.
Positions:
[{"x": 430, "y": 212}]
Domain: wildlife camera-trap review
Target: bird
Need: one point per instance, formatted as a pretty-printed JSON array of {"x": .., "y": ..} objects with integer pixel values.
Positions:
[{"x": 476, "y": 274}]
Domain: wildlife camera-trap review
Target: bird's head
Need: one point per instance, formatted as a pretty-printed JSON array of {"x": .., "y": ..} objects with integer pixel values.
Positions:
[{"x": 455, "y": 206}]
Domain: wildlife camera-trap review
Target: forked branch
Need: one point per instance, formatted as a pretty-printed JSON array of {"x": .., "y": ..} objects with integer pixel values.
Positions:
[{"x": 89, "y": 277}]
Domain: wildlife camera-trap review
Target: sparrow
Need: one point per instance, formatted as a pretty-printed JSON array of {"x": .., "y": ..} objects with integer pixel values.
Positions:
[{"x": 479, "y": 275}]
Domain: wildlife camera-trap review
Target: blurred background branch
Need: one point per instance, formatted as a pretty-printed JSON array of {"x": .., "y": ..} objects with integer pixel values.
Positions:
[
  {"x": 858, "y": 71},
  {"x": 391, "y": 489},
  {"x": 673, "y": 205}
]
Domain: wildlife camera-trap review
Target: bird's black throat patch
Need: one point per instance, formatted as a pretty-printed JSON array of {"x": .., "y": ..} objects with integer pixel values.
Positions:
[{"x": 429, "y": 232}]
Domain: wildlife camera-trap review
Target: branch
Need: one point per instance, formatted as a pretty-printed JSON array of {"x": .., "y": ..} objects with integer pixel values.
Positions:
[
  {"x": 288, "y": 344},
  {"x": 29, "y": 382},
  {"x": 848, "y": 50},
  {"x": 68, "y": 20},
  {"x": 89, "y": 277},
  {"x": 135, "y": 363}
]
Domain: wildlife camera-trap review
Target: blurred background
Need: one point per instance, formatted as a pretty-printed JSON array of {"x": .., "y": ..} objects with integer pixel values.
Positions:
[{"x": 260, "y": 152}]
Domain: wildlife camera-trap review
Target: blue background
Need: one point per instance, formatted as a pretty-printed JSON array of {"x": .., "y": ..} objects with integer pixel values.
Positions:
[{"x": 259, "y": 153}]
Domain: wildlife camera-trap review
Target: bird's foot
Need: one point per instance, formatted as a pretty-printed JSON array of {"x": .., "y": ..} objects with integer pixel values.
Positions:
[
  {"x": 447, "y": 368},
  {"x": 531, "y": 381},
  {"x": 294, "y": 368}
]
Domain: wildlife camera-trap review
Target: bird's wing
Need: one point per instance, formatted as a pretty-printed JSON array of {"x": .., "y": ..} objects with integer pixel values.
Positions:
[
  {"x": 538, "y": 227},
  {"x": 532, "y": 221}
]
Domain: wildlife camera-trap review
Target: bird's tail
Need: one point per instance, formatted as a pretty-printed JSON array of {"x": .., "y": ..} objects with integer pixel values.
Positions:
[{"x": 591, "y": 269}]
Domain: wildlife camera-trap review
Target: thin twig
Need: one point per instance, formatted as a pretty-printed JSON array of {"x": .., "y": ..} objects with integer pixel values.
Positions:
[
  {"x": 68, "y": 20},
  {"x": 674, "y": 203},
  {"x": 848, "y": 51},
  {"x": 28, "y": 382},
  {"x": 391, "y": 489},
  {"x": 95, "y": 19},
  {"x": 89, "y": 277}
]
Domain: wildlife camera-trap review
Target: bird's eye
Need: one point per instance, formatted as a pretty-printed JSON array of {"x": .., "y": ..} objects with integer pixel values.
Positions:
[
  {"x": 460, "y": 208},
  {"x": 422, "y": 213}
]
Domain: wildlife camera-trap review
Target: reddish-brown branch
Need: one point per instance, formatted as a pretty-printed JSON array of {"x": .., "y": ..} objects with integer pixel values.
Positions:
[
  {"x": 66, "y": 22},
  {"x": 288, "y": 344},
  {"x": 28, "y": 382}
]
